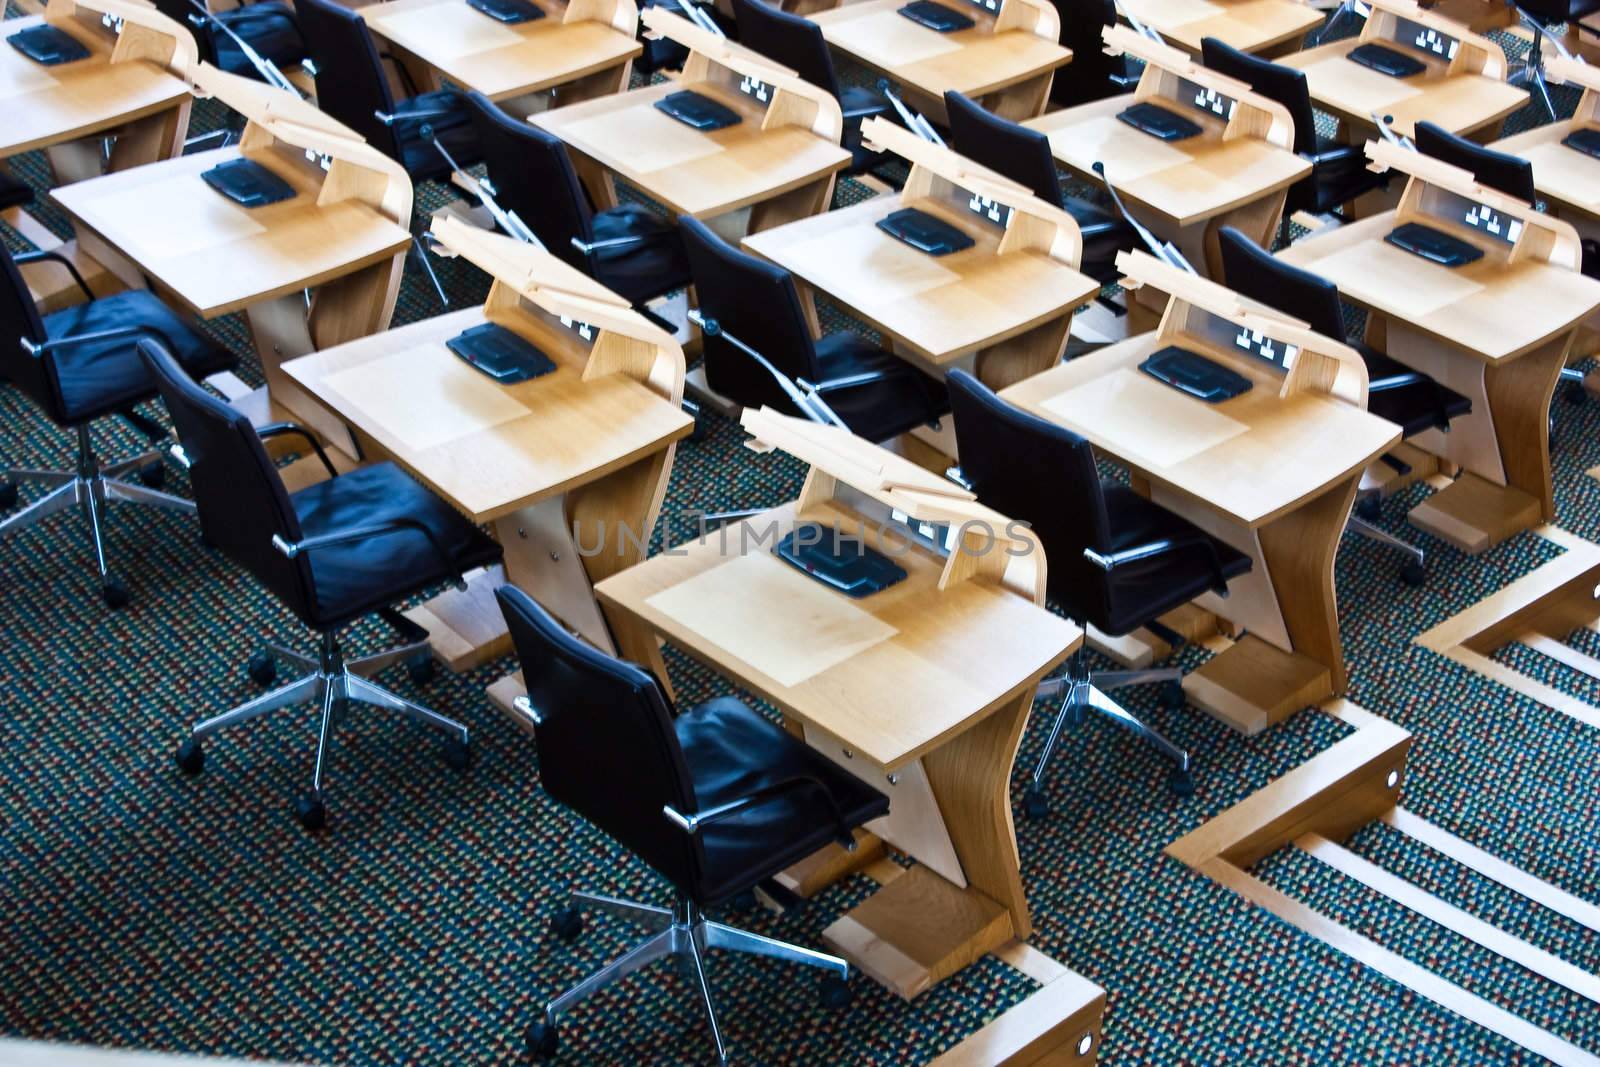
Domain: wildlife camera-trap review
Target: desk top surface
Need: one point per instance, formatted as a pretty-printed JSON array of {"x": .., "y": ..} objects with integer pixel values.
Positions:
[
  {"x": 219, "y": 257},
  {"x": 1252, "y": 458},
  {"x": 488, "y": 448},
  {"x": 1560, "y": 174},
  {"x": 501, "y": 61},
  {"x": 892, "y": 676},
  {"x": 972, "y": 61},
  {"x": 941, "y": 306},
  {"x": 1489, "y": 309},
  {"x": 1186, "y": 181},
  {"x": 49, "y": 105},
  {"x": 1248, "y": 25},
  {"x": 1460, "y": 103},
  {"x": 704, "y": 174}
]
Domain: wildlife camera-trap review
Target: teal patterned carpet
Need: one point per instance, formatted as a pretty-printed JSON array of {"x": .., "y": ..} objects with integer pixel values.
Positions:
[{"x": 142, "y": 908}]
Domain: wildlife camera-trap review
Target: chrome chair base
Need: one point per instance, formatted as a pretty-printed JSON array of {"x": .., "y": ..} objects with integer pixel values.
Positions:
[
  {"x": 92, "y": 488},
  {"x": 683, "y": 933},
  {"x": 332, "y": 683},
  {"x": 1086, "y": 691}
]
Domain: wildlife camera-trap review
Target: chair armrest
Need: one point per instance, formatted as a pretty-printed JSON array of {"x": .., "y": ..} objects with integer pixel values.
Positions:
[
  {"x": 24, "y": 258},
  {"x": 294, "y": 429},
  {"x": 692, "y": 822},
  {"x": 1337, "y": 154},
  {"x": 431, "y": 113},
  {"x": 1394, "y": 381},
  {"x": 866, "y": 112},
  {"x": 52, "y": 343},
  {"x": 1154, "y": 549},
  {"x": 851, "y": 381},
  {"x": 291, "y": 549},
  {"x": 591, "y": 247}
]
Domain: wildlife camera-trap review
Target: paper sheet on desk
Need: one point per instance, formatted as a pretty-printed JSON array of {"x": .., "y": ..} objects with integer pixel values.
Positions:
[
  {"x": 862, "y": 263},
  {"x": 889, "y": 39},
  {"x": 20, "y": 75},
  {"x": 1356, "y": 88},
  {"x": 647, "y": 139},
  {"x": 1128, "y": 154},
  {"x": 1414, "y": 287},
  {"x": 167, "y": 220},
  {"x": 1150, "y": 422},
  {"x": 425, "y": 396},
  {"x": 443, "y": 33}
]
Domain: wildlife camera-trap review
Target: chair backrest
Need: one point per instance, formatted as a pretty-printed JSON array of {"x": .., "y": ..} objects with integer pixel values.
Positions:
[
  {"x": 1021, "y": 154},
  {"x": 788, "y": 39},
  {"x": 351, "y": 81},
  {"x": 1276, "y": 82},
  {"x": 607, "y": 748},
  {"x": 1510, "y": 174},
  {"x": 1007, "y": 455},
  {"x": 237, "y": 490},
  {"x": 1252, "y": 271},
  {"x": 1088, "y": 77},
  {"x": 19, "y": 319},
  {"x": 534, "y": 176},
  {"x": 757, "y": 303}
]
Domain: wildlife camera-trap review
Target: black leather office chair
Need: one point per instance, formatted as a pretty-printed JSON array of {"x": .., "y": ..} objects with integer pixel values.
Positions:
[
  {"x": 267, "y": 26},
  {"x": 1117, "y": 561},
  {"x": 1408, "y": 398},
  {"x": 715, "y": 799},
  {"x": 758, "y": 347},
  {"x": 353, "y": 87},
  {"x": 1092, "y": 75},
  {"x": 332, "y": 553},
  {"x": 1543, "y": 15},
  {"x": 1338, "y": 171},
  {"x": 797, "y": 43},
  {"x": 1509, "y": 174},
  {"x": 13, "y": 193},
  {"x": 1024, "y": 156},
  {"x": 78, "y": 365},
  {"x": 630, "y": 250}
]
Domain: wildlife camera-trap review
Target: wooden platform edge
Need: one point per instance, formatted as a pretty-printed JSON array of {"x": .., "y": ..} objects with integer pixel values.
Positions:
[{"x": 1059, "y": 1023}]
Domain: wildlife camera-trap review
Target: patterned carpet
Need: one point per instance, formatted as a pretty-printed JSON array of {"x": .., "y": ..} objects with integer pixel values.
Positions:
[{"x": 139, "y": 907}]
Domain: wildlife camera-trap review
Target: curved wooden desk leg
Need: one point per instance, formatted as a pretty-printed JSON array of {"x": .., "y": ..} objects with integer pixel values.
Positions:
[
  {"x": 1032, "y": 352},
  {"x": 597, "y": 181},
  {"x": 151, "y": 139},
  {"x": 1024, "y": 100},
  {"x": 1258, "y": 221},
  {"x": 801, "y": 203}
]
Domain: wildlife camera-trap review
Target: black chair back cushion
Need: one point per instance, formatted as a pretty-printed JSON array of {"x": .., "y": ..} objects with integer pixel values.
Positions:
[
  {"x": 607, "y": 747},
  {"x": 534, "y": 177},
  {"x": 1276, "y": 82},
  {"x": 19, "y": 319},
  {"x": 791, "y": 40},
  {"x": 1021, "y": 154},
  {"x": 1510, "y": 174},
  {"x": 237, "y": 490},
  {"x": 757, "y": 303},
  {"x": 351, "y": 82},
  {"x": 1088, "y": 77},
  {"x": 1006, "y": 455},
  {"x": 1252, "y": 271}
]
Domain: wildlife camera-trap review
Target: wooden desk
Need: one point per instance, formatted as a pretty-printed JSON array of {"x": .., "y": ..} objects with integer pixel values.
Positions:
[
  {"x": 132, "y": 87},
  {"x": 580, "y": 49},
  {"x": 569, "y": 468},
  {"x": 1267, "y": 28},
  {"x": 1466, "y": 94},
  {"x": 778, "y": 163},
  {"x": 1005, "y": 304},
  {"x": 343, "y": 236},
  {"x": 1496, "y": 330},
  {"x": 1235, "y": 172},
  {"x": 1005, "y": 61},
  {"x": 922, "y": 689},
  {"x": 1273, "y": 472}
]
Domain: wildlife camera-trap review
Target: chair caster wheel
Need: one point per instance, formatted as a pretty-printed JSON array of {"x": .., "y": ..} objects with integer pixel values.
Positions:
[
  {"x": 542, "y": 1041},
  {"x": 114, "y": 593},
  {"x": 263, "y": 669},
  {"x": 191, "y": 756},
  {"x": 1370, "y": 508},
  {"x": 1413, "y": 574},
  {"x": 309, "y": 810},
  {"x": 1035, "y": 805},
  {"x": 835, "y": 993},
  {"x": 701, "y": 428},
  {"x": 1172, "y": 696},
  {"x": 567, "y": 925},
  {"x": 1181, "y": 782},
  {"x": 457, "y": 754},
  {"x": 153, "y": 475},
  {"x": 8, "y": 495},
  {"x": 1575, "y": 393},
  {"x": 419, "y": 668}
]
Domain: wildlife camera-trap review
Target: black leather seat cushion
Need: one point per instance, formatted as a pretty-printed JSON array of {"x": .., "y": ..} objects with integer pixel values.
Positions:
[
  {"x": 883, "y": 409},
  {"x": 731, "y": 751},
  {"x": 360, "y": 577},
  {"x": 1415, "y": 408},
  {"x": 268, "y": 26},
  {"x": 106, "y": 376},
  {"x": 13, "y": 193},
  {"x": 453, "y": 129},
  {"x": 1169, "y": 579},
  {"x": 1338, "y": 180},
  {"x": 642, "y": 271},
  {"x": 1105, "y": 233}
]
